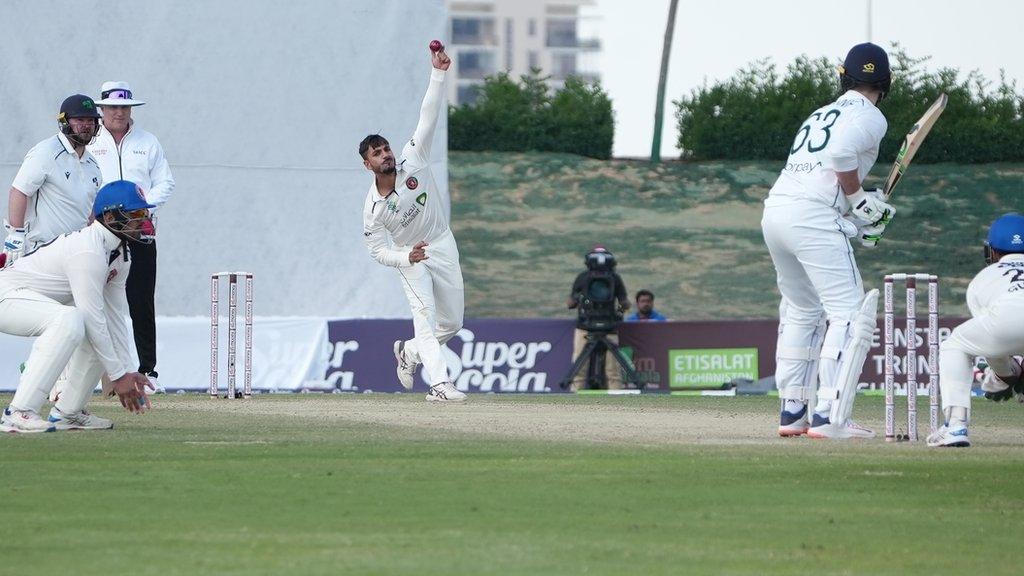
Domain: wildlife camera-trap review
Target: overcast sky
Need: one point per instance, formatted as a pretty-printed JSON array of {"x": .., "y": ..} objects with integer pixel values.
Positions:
[{"x": 713, "y": 38}]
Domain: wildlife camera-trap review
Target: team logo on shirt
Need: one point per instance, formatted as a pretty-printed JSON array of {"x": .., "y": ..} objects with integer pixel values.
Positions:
[
  {"x": 422, "y": 199},
  {"x": 412, "y": 183},
  {"x": 392, "y": 206}
]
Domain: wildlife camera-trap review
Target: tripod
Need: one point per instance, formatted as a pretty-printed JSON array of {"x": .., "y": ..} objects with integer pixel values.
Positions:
[{"x": 597, "y": 341}]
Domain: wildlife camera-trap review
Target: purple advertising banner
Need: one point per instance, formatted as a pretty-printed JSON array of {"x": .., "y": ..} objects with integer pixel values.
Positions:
[
  {"x": 533, "y": 355},
  {"x": 485, "y": 356}
]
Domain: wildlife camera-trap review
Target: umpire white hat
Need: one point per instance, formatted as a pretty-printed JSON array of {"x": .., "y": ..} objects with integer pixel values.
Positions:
[{"x": 117, "y": 93}]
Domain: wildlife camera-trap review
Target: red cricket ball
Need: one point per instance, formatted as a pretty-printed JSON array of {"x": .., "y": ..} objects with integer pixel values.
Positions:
[{"x": 436, "y": 46}]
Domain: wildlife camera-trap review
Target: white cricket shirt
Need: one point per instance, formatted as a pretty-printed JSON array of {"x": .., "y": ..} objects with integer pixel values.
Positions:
[
  {"x": 1001, "y": 283},
  {"x": 80, "y": 269},
  {"x": 839, "y": 137},
  {"x": 60, "y": 187},
  {"x": 413, "y": 211},
  {"x": 139, "y": 159}
]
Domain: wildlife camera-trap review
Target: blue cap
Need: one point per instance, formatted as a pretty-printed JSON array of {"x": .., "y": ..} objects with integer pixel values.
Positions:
[
  {"x": 119, "y": 195},
  {"x": 1007, "y": 234}
]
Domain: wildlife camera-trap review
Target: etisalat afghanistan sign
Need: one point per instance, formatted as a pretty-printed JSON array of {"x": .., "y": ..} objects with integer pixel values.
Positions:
[{"x": 711, "y": 367}]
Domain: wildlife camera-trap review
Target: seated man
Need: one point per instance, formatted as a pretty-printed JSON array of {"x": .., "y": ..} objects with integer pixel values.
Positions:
[
  {"x": 645, "y": 311},
  {"x": 70, "y": 294}
]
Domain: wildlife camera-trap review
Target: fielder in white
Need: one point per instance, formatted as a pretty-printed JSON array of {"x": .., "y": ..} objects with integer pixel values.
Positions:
[
  {"x": 826, "y": 321},
  {"x": 405, "y": 225},
  {"x": 70, "y": 295},
  {"x": 54, "y": 189},
  {"x": 995, "y": 298}
]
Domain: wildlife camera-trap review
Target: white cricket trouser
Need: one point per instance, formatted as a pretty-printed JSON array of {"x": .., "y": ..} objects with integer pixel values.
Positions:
[
  {"x": 60, "y": 332},
  {"x": 997, "y": 335},
  {"x": 436, "y": 295},
  {"x": 818, "y": 278}
]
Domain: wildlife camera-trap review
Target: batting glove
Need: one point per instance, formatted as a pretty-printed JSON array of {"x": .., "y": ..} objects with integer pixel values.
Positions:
[
  {"x": 14, "y": 244},
  {"x": 999, "y": 388},
  {"x": 870, "y": 208}
]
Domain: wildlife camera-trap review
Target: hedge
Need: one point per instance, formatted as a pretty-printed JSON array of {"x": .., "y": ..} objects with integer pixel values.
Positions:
[
  {"x": 523, "y": 116},
  {"x": 757, "y": 113}
]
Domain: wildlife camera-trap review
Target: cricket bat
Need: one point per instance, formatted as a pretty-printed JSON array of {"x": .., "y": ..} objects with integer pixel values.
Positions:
[{"x": 912, "y": 142}]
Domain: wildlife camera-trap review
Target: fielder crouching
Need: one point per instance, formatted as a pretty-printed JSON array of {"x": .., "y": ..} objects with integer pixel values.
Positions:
[{"x": 70, "y": 294}]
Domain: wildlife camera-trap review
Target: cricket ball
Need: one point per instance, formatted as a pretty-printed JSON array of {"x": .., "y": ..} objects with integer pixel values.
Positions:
[{"x": 436, "y": 46}]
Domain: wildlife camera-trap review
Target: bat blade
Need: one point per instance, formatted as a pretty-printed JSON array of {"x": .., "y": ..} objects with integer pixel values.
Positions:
[{"x": 912, "y": 142}]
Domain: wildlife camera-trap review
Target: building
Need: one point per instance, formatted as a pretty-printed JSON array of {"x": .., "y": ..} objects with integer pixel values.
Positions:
[{"x": 490, "y": 36}]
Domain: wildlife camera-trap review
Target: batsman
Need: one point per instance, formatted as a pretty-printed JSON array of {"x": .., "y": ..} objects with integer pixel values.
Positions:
[
  {"x": 405, "y": 226},
  {"x": 818, "y": 203}
]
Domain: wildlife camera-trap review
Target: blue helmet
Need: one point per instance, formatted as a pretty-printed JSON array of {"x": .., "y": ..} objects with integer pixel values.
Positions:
[
  {"x": 119, "y": 195},
  {"x": 1006, "y": 234}
]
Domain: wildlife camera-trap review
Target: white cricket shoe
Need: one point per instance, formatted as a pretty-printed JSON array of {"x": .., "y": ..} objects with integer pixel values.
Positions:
[
  {"x": 24, "y": 422},
  {"x": 821, "y": 428},
  {"x": 791, "y": 424},
  {"x": 445, "y": 392},
  {"x": 406, "y": 370},
  {"x": 946, "y": 437},
  {"x": 154, "y": 379},
  {"x": 81, "y": 420}
]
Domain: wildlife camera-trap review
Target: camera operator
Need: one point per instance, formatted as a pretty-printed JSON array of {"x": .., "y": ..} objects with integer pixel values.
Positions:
[{"x": 595, "y": 294}]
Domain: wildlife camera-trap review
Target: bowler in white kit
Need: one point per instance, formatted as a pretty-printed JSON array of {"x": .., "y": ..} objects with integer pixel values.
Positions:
[
  {"x": 816, "y": 206},
  {"x": 70, "y": 295},
  {"x": 405, "y": 226},
  {"x": 995, "y": 330}
]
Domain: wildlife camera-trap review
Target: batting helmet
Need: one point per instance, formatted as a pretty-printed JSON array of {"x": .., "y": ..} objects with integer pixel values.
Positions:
[
  {"x": 1006, "y": 234},
  {"x": 119, "y": 195}
]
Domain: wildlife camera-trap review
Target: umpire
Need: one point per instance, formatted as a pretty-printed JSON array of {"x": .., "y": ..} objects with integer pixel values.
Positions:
[{"x": 125, "y": 152}]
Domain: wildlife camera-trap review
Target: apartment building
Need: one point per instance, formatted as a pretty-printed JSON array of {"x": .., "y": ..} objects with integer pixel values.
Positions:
[{"x": 490, "y": 36}]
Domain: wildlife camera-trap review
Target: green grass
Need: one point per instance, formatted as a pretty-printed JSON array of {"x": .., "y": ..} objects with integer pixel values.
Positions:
[
  {"x": 376, "y": 484},
  {"x": 689, "y": 231}
]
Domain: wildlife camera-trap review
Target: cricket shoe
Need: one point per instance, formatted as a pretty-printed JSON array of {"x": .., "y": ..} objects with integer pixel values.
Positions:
[
  {"x": 444, "y": 392},
  {"x": 406, "y": 370},
  {"x": 24, "y": 422},
  {"x": 946, "y": 437},
  {"x": 821, "y": 427},
  {"x": 154, "y": 379},
  {"x": 791, "y": 424},
  {"x": 81, "y": 420}
]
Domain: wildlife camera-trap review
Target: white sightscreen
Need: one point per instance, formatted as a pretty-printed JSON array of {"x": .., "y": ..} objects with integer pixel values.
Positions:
[{"x": 259, "y": 106}]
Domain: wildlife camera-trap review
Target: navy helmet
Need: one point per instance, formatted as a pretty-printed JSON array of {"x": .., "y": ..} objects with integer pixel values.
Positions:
[
  {"x": 866, "y": 64},
  {"x": 1006, "y": 235},
  {"x": 119, "y": 195},
  {"x": 599, "y": 258},
  {"x": 78, "y": 106}
]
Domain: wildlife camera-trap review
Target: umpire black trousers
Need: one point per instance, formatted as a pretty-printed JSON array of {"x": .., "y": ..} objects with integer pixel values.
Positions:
[{"x": 140, "y": 290}]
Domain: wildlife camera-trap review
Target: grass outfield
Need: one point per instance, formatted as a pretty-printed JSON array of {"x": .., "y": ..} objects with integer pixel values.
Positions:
[{"x": 388, "y": 484}]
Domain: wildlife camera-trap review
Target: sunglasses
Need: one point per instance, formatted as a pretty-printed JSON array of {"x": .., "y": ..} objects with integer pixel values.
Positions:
[
  {"x": 116, "y": 94},
  {"x": 138, "y": 214}
]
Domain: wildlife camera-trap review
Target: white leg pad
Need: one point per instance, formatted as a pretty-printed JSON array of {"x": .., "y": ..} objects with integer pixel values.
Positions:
[
  {"x": 851, "y": 360},
  {"x": 797, "y": 353}
]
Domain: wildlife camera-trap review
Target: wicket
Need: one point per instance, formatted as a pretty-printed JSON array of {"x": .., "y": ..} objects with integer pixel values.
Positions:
[
  {"x": 911, "y": 281},
  {"x": 232, "y": 278}
]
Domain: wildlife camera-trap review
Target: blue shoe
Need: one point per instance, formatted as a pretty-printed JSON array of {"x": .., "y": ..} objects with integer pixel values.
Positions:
[{"x": 791, "y": 424}]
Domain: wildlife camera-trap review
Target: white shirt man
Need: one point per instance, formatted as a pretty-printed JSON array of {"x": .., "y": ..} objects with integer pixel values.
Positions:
[
  {"x": 807, "y": 234},
  {"x": 405, "y": 225},
  {"x": 53, "y": 190},
  {"x": 127, "y": 152},
  {"x": 995, "y": 298},
  {"x": 70, "y": 295}
]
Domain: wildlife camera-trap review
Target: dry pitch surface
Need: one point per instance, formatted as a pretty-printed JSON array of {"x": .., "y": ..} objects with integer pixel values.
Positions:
[{"x": 648, "y": 421}]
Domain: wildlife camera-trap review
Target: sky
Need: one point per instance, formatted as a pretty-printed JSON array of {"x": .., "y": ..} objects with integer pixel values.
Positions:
[{"x": 714, "y": 38}]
